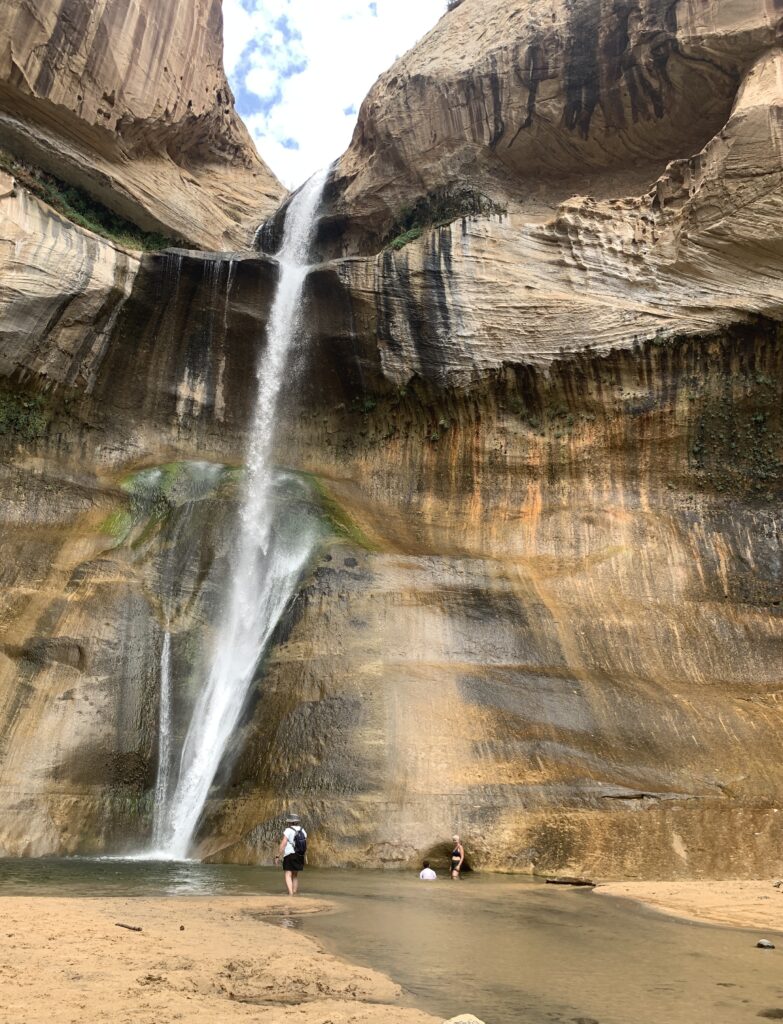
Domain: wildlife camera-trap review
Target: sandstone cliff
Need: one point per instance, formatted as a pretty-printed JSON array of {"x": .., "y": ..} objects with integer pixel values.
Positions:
[
  {"x": 532, "y": 103},
  {"x": 545, "y": 448},
  {"x": 698, "y": 248},
  {"x": 114, "y": 368},
  {"x": 129, "y": 102}
]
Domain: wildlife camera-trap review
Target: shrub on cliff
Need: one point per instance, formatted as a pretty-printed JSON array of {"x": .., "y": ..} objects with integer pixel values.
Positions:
[
  {"x": 407, "y": 236},
  {"x": 80, "y": 208},
  {"x": 22, "y": 416},
  {"x": 438, "y": 209}
]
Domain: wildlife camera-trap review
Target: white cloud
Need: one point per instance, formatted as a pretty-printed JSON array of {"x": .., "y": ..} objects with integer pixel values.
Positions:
[
  {"x": 301, "y": 68},
  {"x": 262, "y": 81}
]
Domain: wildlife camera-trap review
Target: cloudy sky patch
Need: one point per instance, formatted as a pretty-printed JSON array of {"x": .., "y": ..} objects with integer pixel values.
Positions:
[{"x": 301, "y": 68}]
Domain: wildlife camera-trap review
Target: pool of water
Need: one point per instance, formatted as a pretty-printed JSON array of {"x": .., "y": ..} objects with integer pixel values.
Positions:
[{"x": 510, "y": 950}]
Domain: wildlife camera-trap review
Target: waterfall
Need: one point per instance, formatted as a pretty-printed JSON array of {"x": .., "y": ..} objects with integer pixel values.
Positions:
[
  {"x": 162, "y": 781},
  {"x": 267, "y": 562}
]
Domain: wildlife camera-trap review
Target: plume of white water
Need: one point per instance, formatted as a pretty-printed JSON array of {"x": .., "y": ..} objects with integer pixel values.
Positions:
[
  {"x": 266, "y": 567},
  {"x": 162, "y": 782}
]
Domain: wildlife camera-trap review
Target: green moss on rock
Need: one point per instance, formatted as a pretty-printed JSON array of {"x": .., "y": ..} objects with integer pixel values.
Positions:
[
  {"x": 339, "y": 521},
  {"x": 118, "y": 524},
  {"x": 737, "y": 444},
  {"x": 154, "y": 493},
  {"x": 405, "y": 238}
]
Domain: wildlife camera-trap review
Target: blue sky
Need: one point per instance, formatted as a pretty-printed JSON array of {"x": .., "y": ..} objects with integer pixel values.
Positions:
[{"x": 301, "y": 68}]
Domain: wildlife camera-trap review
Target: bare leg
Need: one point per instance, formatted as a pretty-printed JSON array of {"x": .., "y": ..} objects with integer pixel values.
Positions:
[
  {"x": 295, "y": 882},
  {"x": 289, "y": 882}
]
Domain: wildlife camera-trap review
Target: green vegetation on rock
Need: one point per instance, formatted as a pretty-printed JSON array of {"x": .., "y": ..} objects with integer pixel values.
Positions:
[
  {"x": 438, "y": 209},
  {"x": 118, "y": 524},
  {"x": 80, "y": 208},
  {"x": 22, "y": 416},
  {"x": 737, "y": 443},
  {"x": 402, "y": 240}
]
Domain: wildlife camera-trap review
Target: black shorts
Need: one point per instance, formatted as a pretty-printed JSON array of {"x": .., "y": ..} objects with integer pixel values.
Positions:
[{"x": 293, "y": 862}]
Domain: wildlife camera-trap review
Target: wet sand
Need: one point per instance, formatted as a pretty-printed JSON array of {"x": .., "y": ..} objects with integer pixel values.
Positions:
[
  {"x": 65, "y": 961},
  {"x": 755, "y": 904}
]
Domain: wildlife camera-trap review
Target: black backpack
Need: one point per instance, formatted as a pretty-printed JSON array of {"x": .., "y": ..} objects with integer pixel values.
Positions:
[{"x": 300, "y": 842}]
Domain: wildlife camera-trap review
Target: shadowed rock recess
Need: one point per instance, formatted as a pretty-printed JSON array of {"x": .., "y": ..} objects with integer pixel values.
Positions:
[{"x": 543, "y": 431}]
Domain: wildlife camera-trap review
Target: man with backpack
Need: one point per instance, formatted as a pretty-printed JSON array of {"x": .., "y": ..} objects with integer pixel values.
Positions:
[{"x": 293, "y": 850}]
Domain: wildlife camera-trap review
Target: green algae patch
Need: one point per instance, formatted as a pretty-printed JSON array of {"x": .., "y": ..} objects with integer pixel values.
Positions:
[
  {"x": 405, "y": 239},
  {"x": 118, "y": 524},
  {"x": 337, "y": 518},
  {"x": 736, "y": 445},
  {"x": 153, "y": 494}
]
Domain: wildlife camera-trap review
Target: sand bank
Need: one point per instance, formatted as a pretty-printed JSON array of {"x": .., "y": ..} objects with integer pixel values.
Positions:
[
  {"x": 197, "y": 959},
  {"x": 756, "y": 904}
]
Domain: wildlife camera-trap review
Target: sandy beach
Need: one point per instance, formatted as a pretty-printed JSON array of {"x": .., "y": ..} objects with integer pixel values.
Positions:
[
  {"x": 744, "y": 904},
  {"x": 196, "y": 959}
]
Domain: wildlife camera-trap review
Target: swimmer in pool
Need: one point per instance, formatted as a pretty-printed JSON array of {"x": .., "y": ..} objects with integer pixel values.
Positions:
[{"x": 457, "y": 858}]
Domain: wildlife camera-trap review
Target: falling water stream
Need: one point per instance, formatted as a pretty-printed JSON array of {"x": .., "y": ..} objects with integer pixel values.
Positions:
[
  {"x": 266, "y": 562},
  {"x": 163, "y": 779}
]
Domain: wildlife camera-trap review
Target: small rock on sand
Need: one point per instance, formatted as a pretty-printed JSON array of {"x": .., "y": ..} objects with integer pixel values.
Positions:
[{"x": 765, "y": 944}]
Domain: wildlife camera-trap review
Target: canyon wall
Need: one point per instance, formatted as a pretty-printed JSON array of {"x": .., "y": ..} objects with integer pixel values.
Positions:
[
  {"x": 531, "y": 103},
  {"x": 544, "y": 442},
  {"x": 554, "y": 619},
  {"x": 130, "y": 102},
  {"x": 116, "y": 367}
]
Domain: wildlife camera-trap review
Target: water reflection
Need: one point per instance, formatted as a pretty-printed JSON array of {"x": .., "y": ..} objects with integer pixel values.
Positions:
[
  {"x": 290, "y": 922},
  {"x": 113, "y": 876},
  {"x": 509, "y": 950}
]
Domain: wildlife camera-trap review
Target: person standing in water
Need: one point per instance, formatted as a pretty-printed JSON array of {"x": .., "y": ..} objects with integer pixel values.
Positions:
[
  {"x": 293, "y": 851},
  {"x": 457, "y": 858}
]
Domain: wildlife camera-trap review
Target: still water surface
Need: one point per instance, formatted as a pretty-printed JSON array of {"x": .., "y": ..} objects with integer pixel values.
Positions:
[{"x": 509, "y": 950}]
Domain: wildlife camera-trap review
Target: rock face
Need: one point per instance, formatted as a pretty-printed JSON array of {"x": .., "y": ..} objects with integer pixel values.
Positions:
[
  {"x": 546, "y": 447},
  {"x": 81, "y": 319},
  {"x": 113, "y": 366},
  {"x": 130, "y": 102},
  {"x": 61, "y": 291},
  {"x": 561, "y": 636},
  {"x": 532, "y": 103}
]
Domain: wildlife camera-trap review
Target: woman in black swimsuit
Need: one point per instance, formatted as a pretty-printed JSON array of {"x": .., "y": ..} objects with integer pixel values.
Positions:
[{"x": 457, "y": 857}]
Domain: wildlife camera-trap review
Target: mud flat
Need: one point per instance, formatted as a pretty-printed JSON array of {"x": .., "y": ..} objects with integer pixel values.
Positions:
[{"x": 66, "y": 960}]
